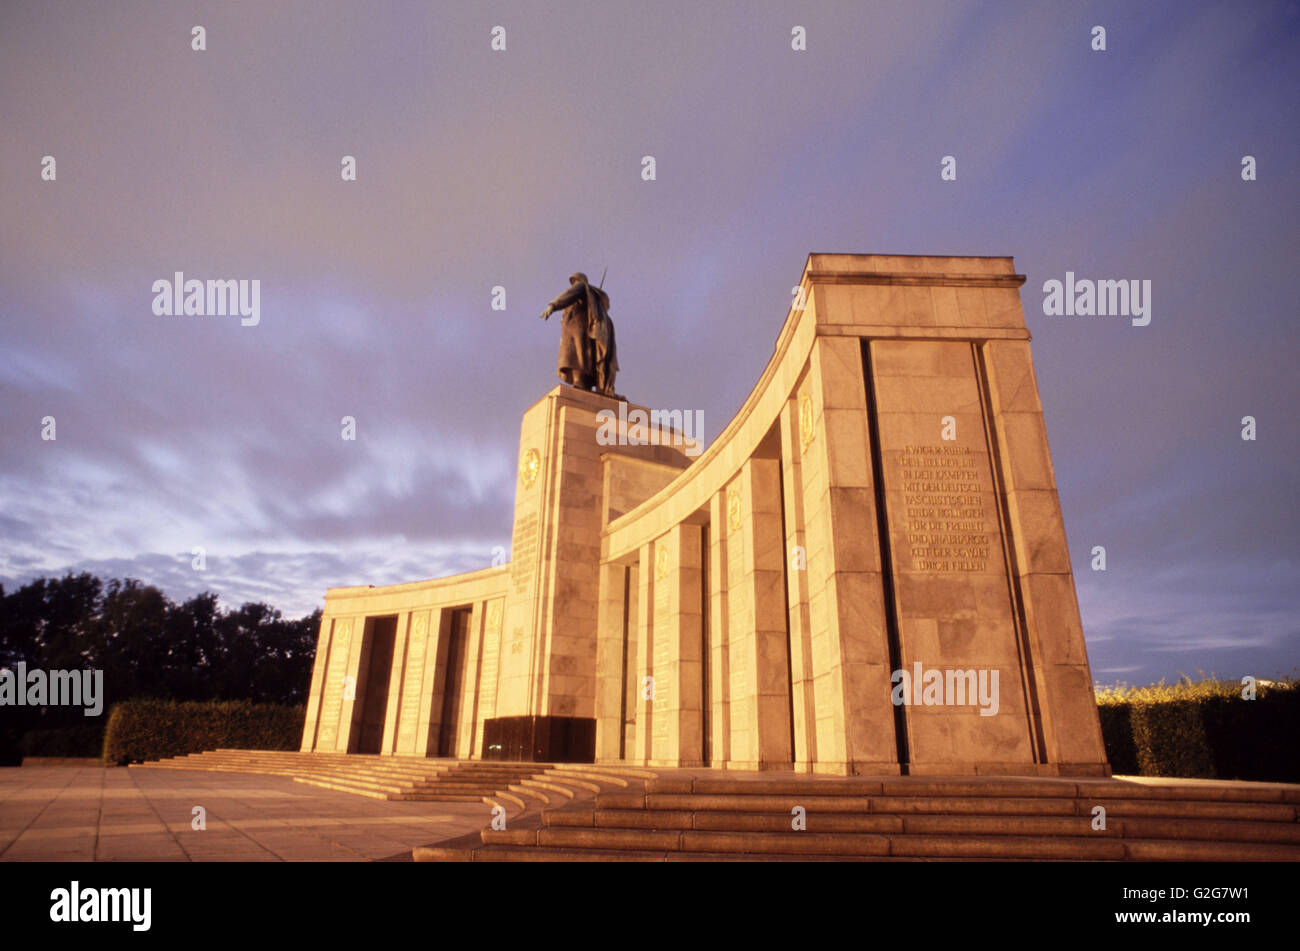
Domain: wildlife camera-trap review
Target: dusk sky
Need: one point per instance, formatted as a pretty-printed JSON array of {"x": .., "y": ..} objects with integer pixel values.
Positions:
[{"x": 478, "y": 168}]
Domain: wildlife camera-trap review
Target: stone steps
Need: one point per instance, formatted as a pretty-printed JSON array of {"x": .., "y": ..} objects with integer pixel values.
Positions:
[
  {"x": 719, "y": 817},
  {"x": 908, "y": 845},
  {"x": 982, "y": 788},
  {"x": 574, "y": 845},
  {"x": 500, "y": 853},
  {"x": 949, "y": 805},
  {"x": 1212, "y": 829},
  {"x": 296, "y": 761},
  {"x": 407, "y": 779}
]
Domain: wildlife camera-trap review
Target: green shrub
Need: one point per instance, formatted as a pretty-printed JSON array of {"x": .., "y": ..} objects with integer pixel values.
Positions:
[
  {"x": 1203, "y": 730},
  {"x": 1117, "y": 733},
  {"x": 140, "y": 730}
]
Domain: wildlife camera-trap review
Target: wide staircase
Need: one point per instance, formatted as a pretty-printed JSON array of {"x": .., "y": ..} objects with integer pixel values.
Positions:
[
  {"x": 406, "y": 778},
  {"x": 683, "y": 815}
]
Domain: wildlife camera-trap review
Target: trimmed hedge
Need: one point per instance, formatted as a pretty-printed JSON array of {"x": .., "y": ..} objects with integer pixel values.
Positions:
[
  {"x": 1191, "y": 730},
  {"x": 140, "y": 730},
  {"x": 1203, "y": 730}
]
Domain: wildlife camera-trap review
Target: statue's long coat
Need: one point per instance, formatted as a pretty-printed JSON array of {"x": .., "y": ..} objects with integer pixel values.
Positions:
[{"x": 585, "y": 341}]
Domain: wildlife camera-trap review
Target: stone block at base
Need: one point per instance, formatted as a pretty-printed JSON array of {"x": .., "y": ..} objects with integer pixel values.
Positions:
[{"x": 540, "y": 739}]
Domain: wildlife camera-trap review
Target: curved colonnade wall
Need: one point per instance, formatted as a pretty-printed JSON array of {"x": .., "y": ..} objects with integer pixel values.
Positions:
[{"x": 866, "y": 572}]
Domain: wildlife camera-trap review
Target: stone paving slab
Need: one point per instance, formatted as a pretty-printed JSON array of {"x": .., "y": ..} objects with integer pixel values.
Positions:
[{"x": 101, "y": 814}]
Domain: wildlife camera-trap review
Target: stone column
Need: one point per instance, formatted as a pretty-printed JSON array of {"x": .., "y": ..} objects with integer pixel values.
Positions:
[
  {"x": 610, "y": 667},
  {"x": 311, "y": 723},
  {"x": 413, "y": 648},
  {"x": 548, "y": 668},
  {"x": 572, "y": 570},
  {"x": 1041, "y": 559},
  {"x": 435, "y": 646},
  {"x": 850, "y": 662},
  {"x": 632, "y": 685},
  {"x": 953, "y": 595},
  {"x": 354, "y": 677},
  {"x": 330, "y": 738},
  {"x": 489, "y": 669},
  {"x": 644, "y": 666},
  {"x": 758, "y": 655},
  {"x": 396, "y": 678},
  {"x": 676, "y": 659},
  {"x": 469, "y": 677},
  {"x": 719, "y": 618},
  {"x": 796, "y": 560}
]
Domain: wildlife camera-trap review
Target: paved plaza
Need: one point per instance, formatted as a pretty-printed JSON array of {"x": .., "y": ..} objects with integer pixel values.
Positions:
[{"x": 97, "y": 814}]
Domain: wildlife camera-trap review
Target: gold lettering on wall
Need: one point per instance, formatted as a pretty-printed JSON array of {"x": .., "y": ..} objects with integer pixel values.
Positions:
[
  {"x": 523, "y": 561},
  {"x": 409, "y": 709},
  {"x": 332, "y": 694},
  {"x": 661, "y": 652},
  {"x": 491, "y": 656},
  {"x": 944, "y": 498},
  {"x": 806, "y": 430}
]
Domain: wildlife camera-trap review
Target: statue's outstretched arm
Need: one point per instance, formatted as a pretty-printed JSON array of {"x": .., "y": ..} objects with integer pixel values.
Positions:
[{"x": 572, "y": 295}]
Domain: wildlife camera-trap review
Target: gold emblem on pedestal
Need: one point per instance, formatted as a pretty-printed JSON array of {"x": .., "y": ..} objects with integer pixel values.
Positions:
[
  {"x": 417, "y": 632},
  {"x": 661, "y": 562},
  {"x": 341, "y": 631},
  {"x": 529, "y": 465},
  {"x": 733, "y": 508},
  {"x": 494, "y": 616},
  {"x": 805, "y": 421}
]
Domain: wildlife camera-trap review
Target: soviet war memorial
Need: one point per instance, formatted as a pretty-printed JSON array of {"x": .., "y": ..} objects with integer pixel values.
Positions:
[
  {"x": 449, "y": 450},
  {"x": 894, "y": 446}
]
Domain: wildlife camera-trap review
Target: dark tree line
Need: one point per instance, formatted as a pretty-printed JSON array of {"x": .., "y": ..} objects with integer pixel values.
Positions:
[{"x": 149, "y": 646}]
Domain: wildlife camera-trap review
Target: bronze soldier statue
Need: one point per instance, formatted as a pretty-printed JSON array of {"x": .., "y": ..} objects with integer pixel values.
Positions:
[{"x": 588, "y": 352}]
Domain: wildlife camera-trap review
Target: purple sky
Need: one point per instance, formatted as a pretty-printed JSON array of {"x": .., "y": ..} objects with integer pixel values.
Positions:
[{"x": 478, "y": 168}]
